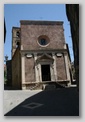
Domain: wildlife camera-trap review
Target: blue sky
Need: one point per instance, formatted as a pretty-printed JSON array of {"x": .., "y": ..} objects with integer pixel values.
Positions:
[{"x": 13, "y": 13}]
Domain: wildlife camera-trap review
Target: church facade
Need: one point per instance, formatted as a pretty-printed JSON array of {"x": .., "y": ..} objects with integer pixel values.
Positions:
[{"x": 40, "y": 55}]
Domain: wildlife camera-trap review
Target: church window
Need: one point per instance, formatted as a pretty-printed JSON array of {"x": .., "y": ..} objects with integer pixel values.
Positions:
[{"x": 43, "y": 40}]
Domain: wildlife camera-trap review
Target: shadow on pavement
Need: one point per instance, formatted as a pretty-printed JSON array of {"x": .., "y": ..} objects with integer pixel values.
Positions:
[{"x": 60, "y": 102}]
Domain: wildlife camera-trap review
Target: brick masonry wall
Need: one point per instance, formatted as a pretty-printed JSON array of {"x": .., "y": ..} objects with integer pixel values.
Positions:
[
  {"x": 31, "y": 33},
  {"x": 60, "y": 66},
  {"x": 29, "y": 70}
]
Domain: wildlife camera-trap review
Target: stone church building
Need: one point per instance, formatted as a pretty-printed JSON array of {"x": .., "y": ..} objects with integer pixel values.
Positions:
[{"x": 40, "y": 55}]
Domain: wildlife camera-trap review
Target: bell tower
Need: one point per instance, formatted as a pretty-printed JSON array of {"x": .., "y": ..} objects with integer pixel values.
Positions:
[{"x": 15, "y": 39}]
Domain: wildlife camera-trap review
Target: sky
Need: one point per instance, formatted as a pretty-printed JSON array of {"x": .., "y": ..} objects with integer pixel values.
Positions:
[{"x": 13, "y": 13}]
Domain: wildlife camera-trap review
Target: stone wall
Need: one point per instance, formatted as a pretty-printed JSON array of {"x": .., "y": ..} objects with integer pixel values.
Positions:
[
  {"x": 61, "y": 69},
  {"x": 30, "y": 34},
  {"x": 16, "y": 70},
  {"x": 29, "y": 70},
  {"x": 9, "y": 72},
  {"x": 72, "y": 11}
]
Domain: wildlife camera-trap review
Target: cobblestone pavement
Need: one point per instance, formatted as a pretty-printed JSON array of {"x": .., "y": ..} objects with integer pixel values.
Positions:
[{"x": 59, "y": 102}]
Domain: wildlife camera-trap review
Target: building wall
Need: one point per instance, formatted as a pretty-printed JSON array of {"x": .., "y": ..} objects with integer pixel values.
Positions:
[
  {"x": 60, "y": 67},
  {"x": 29, "y": 70},
  {"x": 16, "y": 70},
  {"x": 9, "y": 72},
  {"x": 72, "y": 12},
  {"x": 24, "y": 70},
  {"x": 30, "y": 34}
]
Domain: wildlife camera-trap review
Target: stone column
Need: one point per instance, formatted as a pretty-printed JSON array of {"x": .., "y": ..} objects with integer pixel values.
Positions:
[
  {"x": 23, "y": 71},
  {"x": 36, "y": 68},
  {"x": 54, "y": 66}
]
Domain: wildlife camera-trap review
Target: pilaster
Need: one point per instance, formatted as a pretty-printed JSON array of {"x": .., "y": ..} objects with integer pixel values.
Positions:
[
  {"x": 36, "y": 68},
  {"x": 23, "y": 70},
  {"x": 54, "y": 66}
]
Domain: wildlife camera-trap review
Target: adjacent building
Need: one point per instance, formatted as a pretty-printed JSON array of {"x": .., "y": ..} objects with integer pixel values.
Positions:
[
  {"x": 72, "y": 12},
  {"x": 40, "y": 55}
]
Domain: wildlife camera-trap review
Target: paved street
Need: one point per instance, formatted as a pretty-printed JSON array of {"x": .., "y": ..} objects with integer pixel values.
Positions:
[
  {"x": 60, "y": 102},
  {"x": 12, "y": 98}
]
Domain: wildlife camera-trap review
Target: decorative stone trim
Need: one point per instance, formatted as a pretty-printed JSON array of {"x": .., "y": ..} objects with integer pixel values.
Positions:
[
  {"x": 28, "y": 55},
  {"x": 23, "y": 68},
  {"x": 54, "y": 66},
  {"x": 30, "y": 22},
  {"x": 59, "y": 54}
]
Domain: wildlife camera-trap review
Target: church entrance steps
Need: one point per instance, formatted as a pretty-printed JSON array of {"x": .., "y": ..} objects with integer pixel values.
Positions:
[{"x": 46, "y": 85}]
